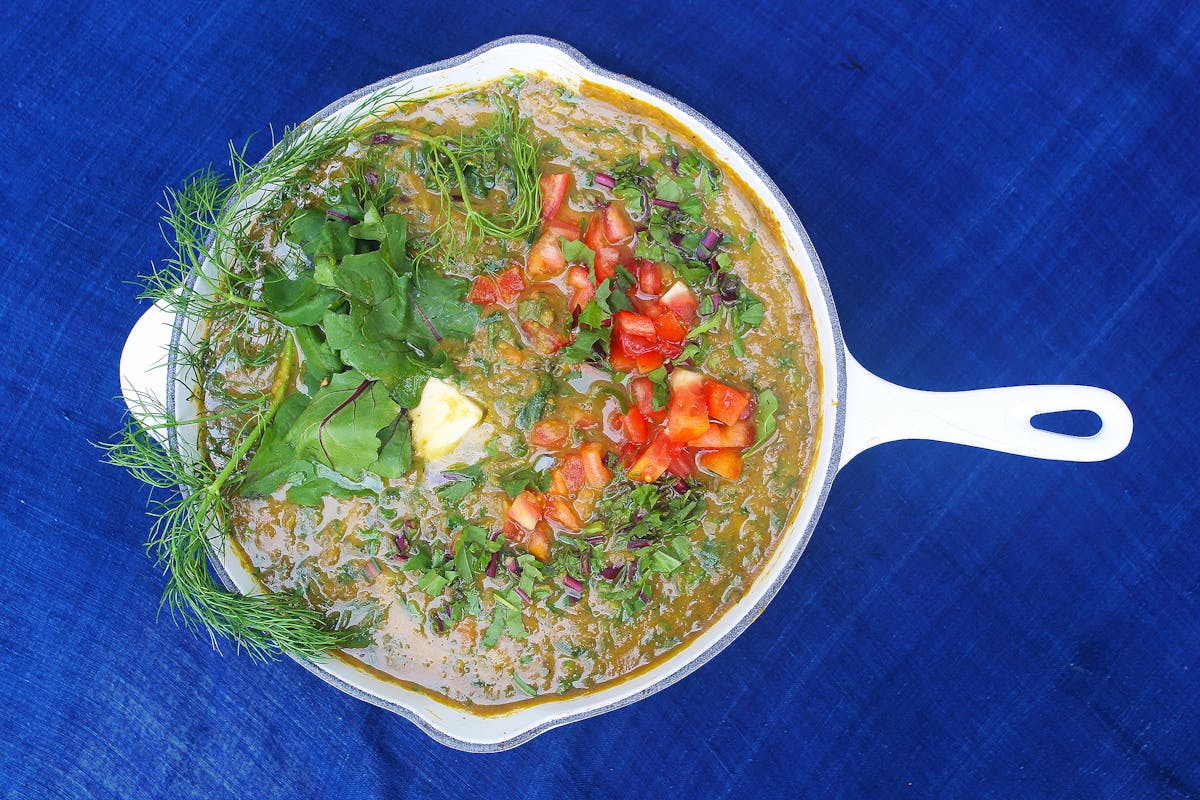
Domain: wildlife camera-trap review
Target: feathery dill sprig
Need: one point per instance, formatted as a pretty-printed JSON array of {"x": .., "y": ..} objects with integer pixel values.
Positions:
[
  {"x": 210, "y": 279},
  {"x": 506, "y": 151}
]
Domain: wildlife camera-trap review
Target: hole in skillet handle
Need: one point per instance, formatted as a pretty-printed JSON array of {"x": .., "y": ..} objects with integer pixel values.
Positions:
[{"x": 1080, "y": 422}]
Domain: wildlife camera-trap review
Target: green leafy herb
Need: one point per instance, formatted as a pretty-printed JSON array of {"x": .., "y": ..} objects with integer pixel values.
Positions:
[
  {"x": 535, "y": 406},
  {"x": 576, "y": 252},
  {"x": 768, "y": 404}
]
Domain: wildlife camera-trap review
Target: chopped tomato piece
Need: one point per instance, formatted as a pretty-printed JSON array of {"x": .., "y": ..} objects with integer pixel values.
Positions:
[
  {"x": 526, "y": 510},
  {"x": 637, "y": 427},
  {"x": 655, "y": 459},
  {"x": 629, "y": 324},
  {"x": 669, "y": 328},
  {"x": 561, "y": 511},
  {"x": 682, "y": 464},
  {"x": 648, "y": 362},
  {"x": 649, "y": 276},
  {"x": 595, "y": 473},
  {"x": 617, "y": 227},
  {"x": 647, "y": 307},
  {"x": 550, "y": 433},
  {"x": 558, "y": 228},
  {"x": 607, "y": 261},
  {"x": 739, "y": 434},
  {"x": 510, "y": 284},
  {"x": 558, "y": 484},
  {"x": 555, "y": 187},
  {"x": 573, "y": 472},
  {"x": 628, "y": 454},
  {"x": 671, "y": 349},
  {"x": 637, "y": 345},
  {"x": 545, "y": 259},
  {"x": 726, "y": 463},
  {"x": 511, "y": 531},
  {"x": 620, "y": 360},
  {"x": 642, "y": 392},
  {"x": 687, "y": 409},
  {"x": 483, "y": 291},
  {"x": 577, "y": 279},
  {"x": 679, "y": 298},
  {"x": 539, "y": 541},
  {"x": 545, "y": 341},
  {"x": 725, "y": 403},
  {"x": 581, "y": 419},
  {"x": 593, "y": 237}
]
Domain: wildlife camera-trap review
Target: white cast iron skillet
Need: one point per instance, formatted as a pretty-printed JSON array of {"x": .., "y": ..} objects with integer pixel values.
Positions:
[{"x": 858, "y": 411}]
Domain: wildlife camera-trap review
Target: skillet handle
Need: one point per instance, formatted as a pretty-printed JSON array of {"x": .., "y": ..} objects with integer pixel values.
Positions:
[
  {"x": 144, "y": 367},
  {"x": 995, "y": 419}
]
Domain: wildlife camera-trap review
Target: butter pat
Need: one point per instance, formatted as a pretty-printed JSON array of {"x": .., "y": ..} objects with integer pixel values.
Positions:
[{"x": 442, "y": 418}]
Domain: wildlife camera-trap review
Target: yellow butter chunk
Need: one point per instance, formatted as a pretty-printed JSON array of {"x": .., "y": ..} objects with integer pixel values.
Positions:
[{"x": 442, "y": 419}]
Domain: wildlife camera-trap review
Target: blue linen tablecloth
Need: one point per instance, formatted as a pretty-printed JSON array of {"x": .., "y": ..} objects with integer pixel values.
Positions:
[{"x": 1001, "y": 193}]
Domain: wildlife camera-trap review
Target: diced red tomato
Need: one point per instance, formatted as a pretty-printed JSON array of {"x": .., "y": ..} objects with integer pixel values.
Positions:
[
  {"x": 557, "y": 229},
  {"x": 545, "y": 259},
  {"x": 669, "y": 328},
  {"x": 649, "y": 276},
  {"x": 655, "y": 459},
  {"x": 620, "y": 360},
  {"x": 595, "y": 474},
  {"x": 642, "y": 392},
  {"x": 739, "y": 434},
  {"x": 627, "y": 454},
  {"x": 637, "y": 427},
  {"x": 638, "y": 345},
  {"x": 629, "y": 324},
  {"x": 647, "y": 307},
  {"x": 558, "y": 484},
  {"x": 550, "y": 433},
  {"x": 572, "y": 472},
  {"x": 648, "y": 362},
  {"x": 687, "y": 409},
  {"x": 682, "y": 464},
  {"x": 526, "y": 510},
  {"x": 545, "y": 341},
  {"x": 577, "y": 279},
  {"x": 671, "y": 349},
  {"x": 510, "y": 284},
  {"x": 593, "y": 237},
  {"x": 617, "y": 227},
  {"x": 726, "y": 463},
  {"x": 679, "y": 298},
  {"x": 607, "y": 261},
  {"x": 555, "y": 187},
  {"x": 561, "y": 511},
  {"x": 539, "y": 541},
  {"x": 581, "y": 419},
  {"x": 725, "y": 404},
  {"x": 483, "y": 291},
  {"x": 511, "y": 531}
]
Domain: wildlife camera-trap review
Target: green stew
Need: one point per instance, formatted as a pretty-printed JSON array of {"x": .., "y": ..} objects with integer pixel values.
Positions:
[{"x": 505, "y": 393}]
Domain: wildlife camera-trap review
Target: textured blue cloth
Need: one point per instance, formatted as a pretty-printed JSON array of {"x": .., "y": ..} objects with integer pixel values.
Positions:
[{"x": 1002, "y": 193}]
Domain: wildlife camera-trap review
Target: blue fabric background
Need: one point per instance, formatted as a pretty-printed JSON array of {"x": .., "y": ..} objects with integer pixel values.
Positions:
[{"x": 1002, "y": 193}]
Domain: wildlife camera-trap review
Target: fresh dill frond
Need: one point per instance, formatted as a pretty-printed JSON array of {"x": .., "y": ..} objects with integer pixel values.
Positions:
[
  {"x": 463, "y": 169},
  {"x": 211, "y": 280}
]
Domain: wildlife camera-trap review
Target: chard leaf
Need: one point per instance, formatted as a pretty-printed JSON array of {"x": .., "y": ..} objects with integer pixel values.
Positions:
[
  {"x": 298, "y": 301},
  {"x": 313, "y": 491},
  {"x": 395, "y": 451},
  {"x": 365, "y": 277},
  {"x": 275, "y": 461},
  {"x": 338, "y": 426}
]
